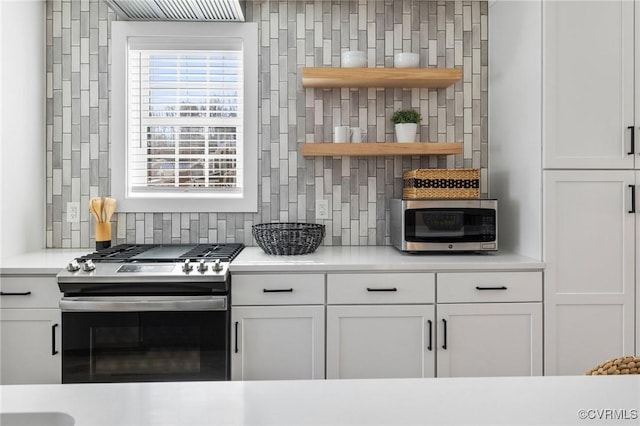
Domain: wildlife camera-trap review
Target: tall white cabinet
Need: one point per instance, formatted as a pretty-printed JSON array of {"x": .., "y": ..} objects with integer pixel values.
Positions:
[
  {"x": 590, "y": 155},
  {"x": 588, "y": 92},
  {"x": 590, "y": 255}
]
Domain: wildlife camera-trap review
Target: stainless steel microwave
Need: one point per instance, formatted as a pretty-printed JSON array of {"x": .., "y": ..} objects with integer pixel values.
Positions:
[{"x": 444, "y": 224}]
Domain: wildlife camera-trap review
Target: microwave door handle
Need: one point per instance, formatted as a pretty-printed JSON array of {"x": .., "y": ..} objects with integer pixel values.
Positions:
[{"x": 143, "y": 303}]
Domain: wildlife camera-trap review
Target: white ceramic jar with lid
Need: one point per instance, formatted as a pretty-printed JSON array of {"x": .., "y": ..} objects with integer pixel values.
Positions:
[
  {"x": 354, "y": 59},
  {"x": 406, "y": 60}
]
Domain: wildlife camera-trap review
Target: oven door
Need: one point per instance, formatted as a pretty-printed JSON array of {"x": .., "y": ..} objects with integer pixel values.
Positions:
[{"x": 145, "y": 339}]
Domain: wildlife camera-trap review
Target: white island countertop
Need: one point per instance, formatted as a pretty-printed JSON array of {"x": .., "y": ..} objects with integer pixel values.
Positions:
[
  {"x": 380, "y": 258},
  {"x": 578, "y": 400}
]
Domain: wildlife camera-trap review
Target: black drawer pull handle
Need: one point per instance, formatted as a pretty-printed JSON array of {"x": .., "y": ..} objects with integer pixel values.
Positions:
[
  {"x": 430, "y": 335},
  {"x": 277, "y": 290},
  {"x": 633, "y": 198},
  {"x": 236, "y": 350},
  {"x": 53, "y": 339},
  {"x": 4, "y": 293},
  {"x": 491, "y": 288},
  {"x": 444, "y": 335},
  {"x": 633, "y": 140},
  {"x": 382, "y": 289}
]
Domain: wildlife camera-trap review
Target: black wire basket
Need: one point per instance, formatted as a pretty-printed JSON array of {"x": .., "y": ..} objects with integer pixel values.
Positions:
[{"x": 288, "y": 238}]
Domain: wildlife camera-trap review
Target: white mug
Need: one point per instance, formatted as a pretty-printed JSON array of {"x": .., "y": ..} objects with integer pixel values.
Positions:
[
  {"x": 358, "y": 134},
  {"x": 341, "y": 134}
]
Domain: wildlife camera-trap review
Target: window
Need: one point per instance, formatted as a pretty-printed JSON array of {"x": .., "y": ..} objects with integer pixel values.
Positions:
[{"x": 184, "y": 116}]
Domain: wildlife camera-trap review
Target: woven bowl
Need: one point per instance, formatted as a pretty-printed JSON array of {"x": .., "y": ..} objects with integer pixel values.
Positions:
[
  {"x": 288, "y": 238},
  {"x": 615, "y": 366}
]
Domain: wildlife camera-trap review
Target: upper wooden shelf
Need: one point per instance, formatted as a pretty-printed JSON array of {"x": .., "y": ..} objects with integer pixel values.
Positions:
[
  {"x": 378, "y": 149},
  {"x": 327, "y": 77}
]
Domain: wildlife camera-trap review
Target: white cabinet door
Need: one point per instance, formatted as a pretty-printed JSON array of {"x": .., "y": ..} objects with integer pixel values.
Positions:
[
  {"x": 30, "y": 349},
  {"x": 589, "y": 243},
  {"x": 588, "y": 84},
  {"x": 489, "y": 339},
  {"x": 277, "y": 342},
  {"x": 380, "y": 341}
]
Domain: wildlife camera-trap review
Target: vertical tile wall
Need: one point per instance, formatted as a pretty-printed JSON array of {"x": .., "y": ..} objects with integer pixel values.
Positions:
[{"x": 292, "y": 34}]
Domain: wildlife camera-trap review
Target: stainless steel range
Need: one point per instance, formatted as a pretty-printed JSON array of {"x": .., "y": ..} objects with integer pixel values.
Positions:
[{"x": 147, "y": 312}]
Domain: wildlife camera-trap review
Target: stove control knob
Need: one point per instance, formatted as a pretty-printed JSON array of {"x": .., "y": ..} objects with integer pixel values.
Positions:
[
  {"x": 216, "y": 265},
  {"x": 202, "y": 266},
  {"x": 187, "y": 267},
  {"x": 88, "y": 266},
  {"x": 73, "y": 266}
]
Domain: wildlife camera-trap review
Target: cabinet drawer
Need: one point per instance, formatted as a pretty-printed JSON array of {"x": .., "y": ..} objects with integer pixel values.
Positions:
[
  {"x": 42, "y": 292},
  {"x": 473, "y": 287},
  {"x": 277, "y": 289},
  {"x": 380, "y": 288}
]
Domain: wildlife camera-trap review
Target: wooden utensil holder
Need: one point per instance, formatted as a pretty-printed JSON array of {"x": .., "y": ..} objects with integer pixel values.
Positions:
[{"x": 103, "y": 235}]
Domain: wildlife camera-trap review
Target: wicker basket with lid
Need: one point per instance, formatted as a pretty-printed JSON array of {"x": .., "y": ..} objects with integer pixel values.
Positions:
[{"x": 441, "y": 183}]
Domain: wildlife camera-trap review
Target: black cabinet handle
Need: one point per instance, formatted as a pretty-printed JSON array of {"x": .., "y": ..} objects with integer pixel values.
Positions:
[
  {"x": 633, "y": 198},
  {"x": 382, "y": 289},
  {"x": 277, "y": 290},
  {"x": 633, "y": 140},
  {"x": 236, "y": 350},
  {"x": 53, "y": 339},
  {"x": 444, "y": 335},
  {"x": 429, "y": 348},
  {"x": 491, "y": 288},
  {"x": 4, "y": 293}
]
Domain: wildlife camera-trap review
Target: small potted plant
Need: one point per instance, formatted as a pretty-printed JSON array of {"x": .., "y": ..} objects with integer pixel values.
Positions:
[{"x": 406, "y": 124}]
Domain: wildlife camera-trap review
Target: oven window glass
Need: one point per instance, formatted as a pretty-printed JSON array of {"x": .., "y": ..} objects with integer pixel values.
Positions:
[
  {"x": 450, "y": 225},
  {"x": 145, "y": 346}
]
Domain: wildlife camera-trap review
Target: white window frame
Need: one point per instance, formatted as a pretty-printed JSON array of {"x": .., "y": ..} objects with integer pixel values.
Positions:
[{"x": 244, "y": 201}]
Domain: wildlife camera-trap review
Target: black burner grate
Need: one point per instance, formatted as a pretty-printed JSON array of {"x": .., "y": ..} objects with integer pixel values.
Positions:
[{"x": 123, "y": 253}]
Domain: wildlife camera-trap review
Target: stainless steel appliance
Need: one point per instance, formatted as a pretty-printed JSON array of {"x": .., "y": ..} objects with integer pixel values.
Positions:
[
  {"x": 147, "y": 312},
  {"x": 444, "y": 224}
]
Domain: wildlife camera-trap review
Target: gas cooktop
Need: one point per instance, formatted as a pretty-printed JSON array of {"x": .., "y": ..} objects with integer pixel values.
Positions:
[{"x": 150, "y": 253}]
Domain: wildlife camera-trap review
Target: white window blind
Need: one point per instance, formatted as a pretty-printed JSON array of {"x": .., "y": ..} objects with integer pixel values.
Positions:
[{"x": 185, "y": 121}]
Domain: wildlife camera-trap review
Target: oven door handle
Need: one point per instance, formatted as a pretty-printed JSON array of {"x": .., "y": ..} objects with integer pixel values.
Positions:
[{"x": 143, "y": 303}]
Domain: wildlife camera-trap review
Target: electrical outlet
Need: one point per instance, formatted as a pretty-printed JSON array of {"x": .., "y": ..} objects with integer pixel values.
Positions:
[
  {"x": 322, "y": 209},
  {"x": 73, "y": 212}
]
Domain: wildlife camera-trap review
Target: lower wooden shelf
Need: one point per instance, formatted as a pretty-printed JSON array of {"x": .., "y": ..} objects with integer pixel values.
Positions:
[{"x": 379, "y": 149}]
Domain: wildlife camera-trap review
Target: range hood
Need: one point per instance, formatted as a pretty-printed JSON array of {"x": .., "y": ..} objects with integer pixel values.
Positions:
[{"x": 178, "y": 10}]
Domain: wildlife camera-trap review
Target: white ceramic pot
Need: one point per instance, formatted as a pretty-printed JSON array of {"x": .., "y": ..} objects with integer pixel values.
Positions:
[
  {"x": 406, "y": 60},
  {"x": 354, "y": 59},
  {"x": 406, "y": 132}
]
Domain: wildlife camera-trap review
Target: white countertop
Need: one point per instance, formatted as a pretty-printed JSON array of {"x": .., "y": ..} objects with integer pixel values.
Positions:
[
  {"x": 325, "y": 258},
  {"x": 371, "y": 258},
  {"x": 462, "y": 401},
  {"x": 45, "y": 261}
]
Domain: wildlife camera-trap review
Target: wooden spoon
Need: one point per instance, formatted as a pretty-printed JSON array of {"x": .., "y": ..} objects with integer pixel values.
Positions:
[
  {"x": 95, "y": 208},
  {"x": 109, "y": 207}
]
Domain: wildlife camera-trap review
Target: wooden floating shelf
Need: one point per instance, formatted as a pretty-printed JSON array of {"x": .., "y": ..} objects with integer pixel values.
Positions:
[
  {"x": 379, "y": 149},
  {"x": 327, "y": 77}
]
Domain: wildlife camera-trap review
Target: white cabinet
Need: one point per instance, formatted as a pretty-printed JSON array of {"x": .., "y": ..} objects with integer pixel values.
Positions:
[
  {"x": 588, "y": 90},
  {"x": 380, "y": 341},
  {"x": 277, "y": 326},
  {"x": 30, "y": 330},
  {"x": 30, "y": 350},
  {"x": 489, "y": 339},
  {"x": 380, "y": 325},
  {"x": 489, "y": 324},
  {"x": 590, "y": 251},
  {"x": 277, "y": 342}
]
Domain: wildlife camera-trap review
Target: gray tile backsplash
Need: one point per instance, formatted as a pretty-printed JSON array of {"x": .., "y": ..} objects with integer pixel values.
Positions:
[{"x": 292, "y": 35}]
